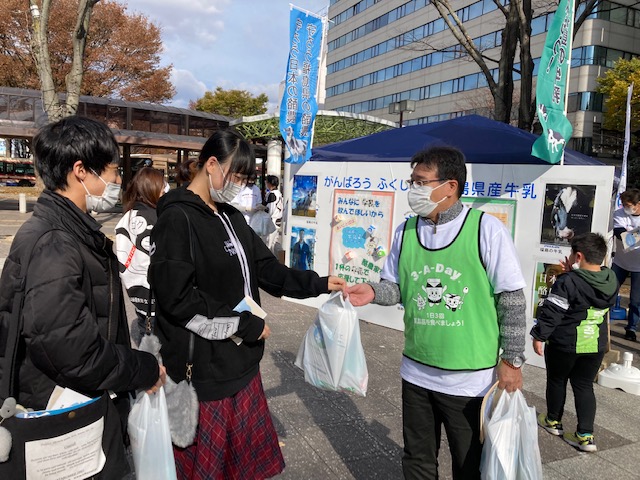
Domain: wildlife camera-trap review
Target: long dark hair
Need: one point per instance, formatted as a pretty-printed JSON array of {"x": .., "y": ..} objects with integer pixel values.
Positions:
[
  {"x": 145, "y": 187},
  {"x": 229, "y": 146}
]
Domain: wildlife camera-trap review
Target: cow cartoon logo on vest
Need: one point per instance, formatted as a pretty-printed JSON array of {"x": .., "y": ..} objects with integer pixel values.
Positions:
[
  {"x": 434, "y": 291},
  {"x": 453, "y": 301},
  {"x": 435, "y": 294}
]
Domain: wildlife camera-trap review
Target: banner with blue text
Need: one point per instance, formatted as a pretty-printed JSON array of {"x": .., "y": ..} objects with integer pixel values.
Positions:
[
  {"x": 299, "y": 103},
  {"x": 552, "y": 85}
]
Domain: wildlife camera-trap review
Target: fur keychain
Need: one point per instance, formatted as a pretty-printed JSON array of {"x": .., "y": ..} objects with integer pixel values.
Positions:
[
  {"x": 7, "y": 410},
  {"x": 182, "y": 401}
]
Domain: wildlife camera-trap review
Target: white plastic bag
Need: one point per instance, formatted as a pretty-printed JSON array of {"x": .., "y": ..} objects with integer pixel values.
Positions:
[
  {"x": 151, "y": 438},
  {"x": 331, "y": 352},
  {"x": 261, "y": 223},
  {"x": 510, "y": 449}
]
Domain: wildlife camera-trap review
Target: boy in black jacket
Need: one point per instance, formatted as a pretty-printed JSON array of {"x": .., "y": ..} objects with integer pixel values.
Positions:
[{"x": 572, "y": 323}]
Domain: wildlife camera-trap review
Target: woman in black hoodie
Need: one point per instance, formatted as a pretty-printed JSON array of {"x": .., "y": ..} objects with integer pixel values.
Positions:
[{"x": 205, "y": 261}]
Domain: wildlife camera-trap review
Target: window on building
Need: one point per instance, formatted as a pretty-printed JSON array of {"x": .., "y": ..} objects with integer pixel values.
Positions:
[{"x": 538, "y": 25}]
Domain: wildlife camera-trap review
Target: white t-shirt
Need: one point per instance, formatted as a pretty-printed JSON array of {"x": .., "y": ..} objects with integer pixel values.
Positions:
[
  {"x": 499, "y": 254},
  {"x": 629, "y": 260},
  {"x": 247, "y": 200}
]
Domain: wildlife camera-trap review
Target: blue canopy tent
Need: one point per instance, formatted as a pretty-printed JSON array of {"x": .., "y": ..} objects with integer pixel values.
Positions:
[{"x": 481, "y": 139}]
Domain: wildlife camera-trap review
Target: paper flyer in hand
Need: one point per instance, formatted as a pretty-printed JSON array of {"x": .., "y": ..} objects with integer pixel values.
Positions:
[
  {"x": 631, "y": 239},
  {"x": 250, "y": 305}
]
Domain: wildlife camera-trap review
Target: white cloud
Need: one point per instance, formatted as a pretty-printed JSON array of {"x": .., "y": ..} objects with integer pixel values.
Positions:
[
  {"x": 239, "y": 44},
  {"x": 197, "y": 21},
  {"x": 188, "y": 87}
]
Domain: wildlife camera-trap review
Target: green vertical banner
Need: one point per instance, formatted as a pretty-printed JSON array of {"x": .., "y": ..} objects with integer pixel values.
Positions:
[{"x": 552, "y": 85}]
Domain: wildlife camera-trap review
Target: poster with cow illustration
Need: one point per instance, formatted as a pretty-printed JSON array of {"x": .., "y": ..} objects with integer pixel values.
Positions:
[{"x": 567, "y": 212}]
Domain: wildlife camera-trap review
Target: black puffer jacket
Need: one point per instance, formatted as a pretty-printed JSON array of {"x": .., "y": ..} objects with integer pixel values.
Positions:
[
  {"x": 230, "y": 262},
  {"x": 75, "y": 328},
  {"x": 572, "y": 318}
]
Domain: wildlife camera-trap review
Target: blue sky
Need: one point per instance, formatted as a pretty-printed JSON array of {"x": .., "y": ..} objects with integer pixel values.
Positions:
[{"x": 233, "y": 44}]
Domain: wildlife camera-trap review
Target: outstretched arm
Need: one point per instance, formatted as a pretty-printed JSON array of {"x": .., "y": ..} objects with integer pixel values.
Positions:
[{"x": 383, "y": 293}]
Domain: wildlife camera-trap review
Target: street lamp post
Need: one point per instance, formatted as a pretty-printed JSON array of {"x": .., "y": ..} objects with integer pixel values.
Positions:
[{"x": 401, "y": 107}]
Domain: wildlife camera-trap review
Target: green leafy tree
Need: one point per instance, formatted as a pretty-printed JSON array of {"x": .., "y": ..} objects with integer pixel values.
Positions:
[
  {"x": 231, "y": 103},
  {"x": 614, "y": 86}
]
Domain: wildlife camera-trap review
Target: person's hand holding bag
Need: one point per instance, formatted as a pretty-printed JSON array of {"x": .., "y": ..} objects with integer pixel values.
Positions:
[
  {"x": 336, "y": 284},
  {"x": 161, "y": 380}
]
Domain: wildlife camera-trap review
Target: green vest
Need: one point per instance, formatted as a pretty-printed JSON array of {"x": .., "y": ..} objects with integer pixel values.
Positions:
[{"x": 450, "y": 318}]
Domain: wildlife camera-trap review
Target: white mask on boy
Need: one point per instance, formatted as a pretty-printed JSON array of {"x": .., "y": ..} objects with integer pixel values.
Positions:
[{"x": 104, "y": 202}]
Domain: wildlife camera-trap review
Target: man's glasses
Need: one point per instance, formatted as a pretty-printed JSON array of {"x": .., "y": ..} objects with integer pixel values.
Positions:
[{"x": 422, "y": 183}]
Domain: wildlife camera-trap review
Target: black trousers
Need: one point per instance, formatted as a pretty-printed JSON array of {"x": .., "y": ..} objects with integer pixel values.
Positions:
[
  {"x": 579, "y": 369},
  {"x": 423, "y": 414}
]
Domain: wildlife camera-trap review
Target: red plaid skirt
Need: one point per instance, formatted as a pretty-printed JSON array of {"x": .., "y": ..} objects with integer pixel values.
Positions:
[{"x": 235, "y": 439}]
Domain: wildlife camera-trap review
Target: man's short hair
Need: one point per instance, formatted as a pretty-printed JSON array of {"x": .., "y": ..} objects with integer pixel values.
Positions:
[
  {"x": 448, "y": 162},
  {"x": 592, "y": 245},
  {"x": 58, "y": 146}
]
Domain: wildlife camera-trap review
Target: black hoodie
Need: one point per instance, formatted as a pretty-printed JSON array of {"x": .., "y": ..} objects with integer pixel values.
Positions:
[
  {"x": 572, "y": 318},
  {"x": 231, "y": 261}
]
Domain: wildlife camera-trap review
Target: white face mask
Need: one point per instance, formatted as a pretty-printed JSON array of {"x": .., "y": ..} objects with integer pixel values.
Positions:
[
  {"x": 575, "y": 266},
  {"x": 227, "y": 193},
  {"x": 629, "y": 211},
  {"x": 420, "y": 200},
  {"x": 104, "y": 202}
]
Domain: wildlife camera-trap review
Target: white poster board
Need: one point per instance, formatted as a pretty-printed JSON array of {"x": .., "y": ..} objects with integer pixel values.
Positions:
[
  {"x": 530, "y": 190},
  {"x": 361, "y": 231}
]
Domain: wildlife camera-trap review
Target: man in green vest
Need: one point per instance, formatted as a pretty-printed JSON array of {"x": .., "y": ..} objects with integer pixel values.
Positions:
[{"x": 456, "y": 272}]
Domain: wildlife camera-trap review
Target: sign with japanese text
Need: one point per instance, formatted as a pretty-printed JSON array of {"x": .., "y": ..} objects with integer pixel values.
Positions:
[
  {"x": 545, "y": 276},
  {"x": 361, "y": 231},
  {"x": 552, "y": 85},
  {"x": 299, "y": 103}
]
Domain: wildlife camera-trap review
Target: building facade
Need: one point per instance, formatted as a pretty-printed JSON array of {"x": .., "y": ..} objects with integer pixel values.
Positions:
[{"x": 380, "y": 52}]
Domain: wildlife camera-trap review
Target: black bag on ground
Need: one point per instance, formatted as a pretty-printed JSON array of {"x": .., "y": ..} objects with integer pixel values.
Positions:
[{"x": 84, "y": 442}]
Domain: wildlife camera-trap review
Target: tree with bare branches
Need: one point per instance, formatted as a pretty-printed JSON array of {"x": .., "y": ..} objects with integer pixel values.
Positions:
[
  {"x": 516, "y": 39},
  {"x": 51, "y": 47},
  {"x": 54, "y": 109}
]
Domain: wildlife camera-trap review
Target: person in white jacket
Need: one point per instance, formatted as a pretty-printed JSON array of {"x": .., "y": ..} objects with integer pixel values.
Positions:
[
  {"x": 626, "y": 262},
  {"x": 275, "y": 206},
  {"x": 133, "y": 234},
  {"x": 249, "y": 199}
]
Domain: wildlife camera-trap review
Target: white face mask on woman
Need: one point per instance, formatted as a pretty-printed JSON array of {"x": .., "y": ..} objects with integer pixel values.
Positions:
[
  {"x": 629, "y": 210},
  {"x": 106, "y": 201},
  {"x": 228, "y": 191},
  {"x": 420, "y": 199}
]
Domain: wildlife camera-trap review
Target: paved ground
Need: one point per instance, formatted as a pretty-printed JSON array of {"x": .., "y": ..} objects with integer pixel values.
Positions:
[{"x": 328, "y": 435}]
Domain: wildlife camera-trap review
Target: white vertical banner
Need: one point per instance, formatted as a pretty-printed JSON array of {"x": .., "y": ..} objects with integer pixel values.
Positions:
[{"x": 622, "y": 186}]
